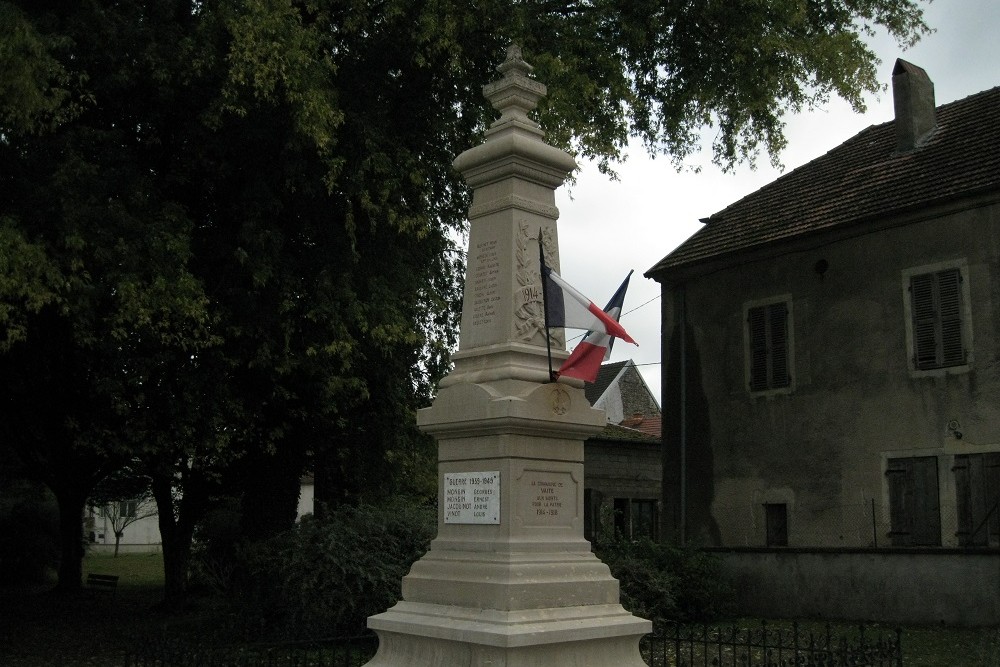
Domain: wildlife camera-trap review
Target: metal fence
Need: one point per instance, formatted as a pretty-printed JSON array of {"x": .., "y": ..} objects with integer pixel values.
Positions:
[
  {"x": 670, "y": 645},
  {"x": 332, "y": 652},
  {"x": 769, "y": 646}
]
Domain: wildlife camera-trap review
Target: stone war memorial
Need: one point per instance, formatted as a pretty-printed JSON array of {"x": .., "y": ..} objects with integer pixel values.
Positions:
[{"x": 509, "y": 579}]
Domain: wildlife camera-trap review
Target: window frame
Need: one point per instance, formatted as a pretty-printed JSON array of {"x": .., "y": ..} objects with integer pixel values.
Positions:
[
  {"x": 749, "y": 346},
  {"x": 963, "y": 313}
]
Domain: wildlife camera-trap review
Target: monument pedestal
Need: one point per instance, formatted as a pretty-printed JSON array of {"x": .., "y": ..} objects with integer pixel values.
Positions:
[
  {"x": 526, "y": 590},
  {"x": 509, "y": 580}
]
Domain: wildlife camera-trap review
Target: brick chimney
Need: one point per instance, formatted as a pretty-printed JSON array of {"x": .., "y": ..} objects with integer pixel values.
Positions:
[{"x": 913, "y": 100}]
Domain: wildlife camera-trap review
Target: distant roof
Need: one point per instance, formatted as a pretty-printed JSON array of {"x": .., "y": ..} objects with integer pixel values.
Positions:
[
  {"x": 614, "y": 432},
  {"x": 862, "y": 180},
  {"x": 594, "y": 390},
  {"x": 649, "y": 425}
]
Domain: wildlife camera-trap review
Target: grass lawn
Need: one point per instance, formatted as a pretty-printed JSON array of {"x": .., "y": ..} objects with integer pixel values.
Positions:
[{"x": 39, "y": 628}]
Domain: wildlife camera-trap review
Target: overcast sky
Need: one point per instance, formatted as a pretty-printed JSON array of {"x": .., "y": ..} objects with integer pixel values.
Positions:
[{"x": 608, "y": 227}]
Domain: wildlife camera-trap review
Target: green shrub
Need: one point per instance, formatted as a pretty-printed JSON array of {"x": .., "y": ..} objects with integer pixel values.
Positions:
[
  {"x": 213, "y": 553},
  {"x": 665, "y": 583},
  {"x": 329, "y": 574},
  {"x": 29, "y": 532}
]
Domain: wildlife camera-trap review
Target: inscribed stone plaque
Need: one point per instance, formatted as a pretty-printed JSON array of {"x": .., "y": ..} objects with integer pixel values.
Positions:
[
  {"x": 472, "y": 497},
  {"x": 548, "y": 498},
  {"x": 484, "y": 280}
]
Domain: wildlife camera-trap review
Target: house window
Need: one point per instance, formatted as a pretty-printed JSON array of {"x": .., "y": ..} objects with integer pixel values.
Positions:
[
  {"x": 914, "y": 510},
  {"x": 977, "y": 494},
  {"x": 127, "y": 509},
  {"x": 776, "y": 524},
  {"x": 635, "y": 518},
  {"x": 939, "y": 335},
  {"x": 768, "y": 346},
  {"x": 937, "y": 319}
]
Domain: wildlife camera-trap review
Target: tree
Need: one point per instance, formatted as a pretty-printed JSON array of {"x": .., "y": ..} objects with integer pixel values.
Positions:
[
  {"x": 123, "y": 498},
  {"x": 240, "y": 212}
]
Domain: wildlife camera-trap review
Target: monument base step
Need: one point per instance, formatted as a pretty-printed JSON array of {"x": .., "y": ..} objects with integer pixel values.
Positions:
[{"x": 419, "y": 634}]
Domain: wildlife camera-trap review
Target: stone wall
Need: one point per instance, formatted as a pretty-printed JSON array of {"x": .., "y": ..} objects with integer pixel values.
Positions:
[
  {"x": 618, "y": 469},
  {"x": 821, "y": 448},
  {"x": 930, "y": 586}
]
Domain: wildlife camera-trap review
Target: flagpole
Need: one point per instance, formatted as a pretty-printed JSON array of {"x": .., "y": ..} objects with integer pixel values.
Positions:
[{"x": 545, "y": 303}]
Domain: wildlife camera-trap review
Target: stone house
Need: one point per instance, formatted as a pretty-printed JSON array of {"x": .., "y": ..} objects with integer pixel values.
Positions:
[
  {"x": 621, "y": 483},
  {"x": 837, "y": 385},
  {"x": 622, "y": 480}
]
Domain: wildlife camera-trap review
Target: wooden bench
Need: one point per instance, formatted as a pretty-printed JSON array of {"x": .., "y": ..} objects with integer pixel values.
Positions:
[{"x": 103, "y": 584}]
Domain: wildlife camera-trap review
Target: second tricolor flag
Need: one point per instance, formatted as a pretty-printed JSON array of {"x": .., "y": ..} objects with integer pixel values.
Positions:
[{"x": 585, "y": 361}]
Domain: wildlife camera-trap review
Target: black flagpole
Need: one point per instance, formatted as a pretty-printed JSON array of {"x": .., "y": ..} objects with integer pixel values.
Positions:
[{"x": 545, "y": 302}]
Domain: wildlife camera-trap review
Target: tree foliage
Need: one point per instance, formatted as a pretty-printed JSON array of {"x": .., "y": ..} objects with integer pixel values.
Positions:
[{"x": 234, "y": 219}]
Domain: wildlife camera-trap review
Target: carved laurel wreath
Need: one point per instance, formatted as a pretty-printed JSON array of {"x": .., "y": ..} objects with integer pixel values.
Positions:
[{"x": 529, "y": 317}]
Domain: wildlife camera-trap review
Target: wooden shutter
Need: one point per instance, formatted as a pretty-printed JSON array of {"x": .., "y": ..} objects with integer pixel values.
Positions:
[
  {"x": 950, "y": 308},
  {"x": 963, "y": 501},
  {"x": 767, "y": 327},
  {"x": 924, "y": 321},
  {"x": 757, "y": 328},
  {"x": 914, "y": 507},
  {"x": 936, "y": 301},
  {"x": 991, "y": 478},
  {"x": 926, "y": 506},
  {"x": 977, "y": 496},
  {"x": 900, "y": 492},
  {"x": 778, "y": 326}
]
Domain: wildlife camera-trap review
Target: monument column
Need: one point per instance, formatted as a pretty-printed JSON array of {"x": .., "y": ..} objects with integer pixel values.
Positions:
[{"x": 509, "y": 580}]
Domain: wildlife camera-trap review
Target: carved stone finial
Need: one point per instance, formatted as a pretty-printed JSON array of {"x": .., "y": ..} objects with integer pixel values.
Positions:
[
  {"x": 514, "y": 95},
  {"x": 514, "y": 63}
]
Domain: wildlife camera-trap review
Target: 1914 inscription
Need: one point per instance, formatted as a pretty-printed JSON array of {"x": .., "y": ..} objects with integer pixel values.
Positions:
[{"x": 472, "y": 497}]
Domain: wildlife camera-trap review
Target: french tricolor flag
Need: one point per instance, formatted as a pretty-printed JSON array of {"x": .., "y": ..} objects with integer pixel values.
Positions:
[
  {"x": 595, "y": 348},
  {"x": 566, "y": 307}
]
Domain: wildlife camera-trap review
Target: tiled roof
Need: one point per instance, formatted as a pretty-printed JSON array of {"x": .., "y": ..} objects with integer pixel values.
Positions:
[
  {"x": 613, "y": 432},
  {"x": 649, "y": 425},
  {"x": 594, "y": 390},
  {"x": 860, "y": 181}
]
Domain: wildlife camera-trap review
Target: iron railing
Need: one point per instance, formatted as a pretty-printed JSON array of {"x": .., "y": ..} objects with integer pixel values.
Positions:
[
  {"x": 769, "y": 645},
  {"x": 670, "y": 645}
]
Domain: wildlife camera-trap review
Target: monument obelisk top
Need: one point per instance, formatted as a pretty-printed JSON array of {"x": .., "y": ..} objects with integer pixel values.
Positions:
[{"x": 514, "y": 175}]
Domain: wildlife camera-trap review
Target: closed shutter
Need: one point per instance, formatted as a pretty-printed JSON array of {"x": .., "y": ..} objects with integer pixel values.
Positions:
[
  {"x": 778, "y": 325},
  {"x": 914, "y": 507},
  {"x": 977, "y": 496},
  {"x": 757, "y": 327},
  {"x": 950, "y": 300},
  {"x": 767, "y": 327},
  {"x": 900, "y": 498},
  {"x": 926, "y": 507},
  {"x": 936, "y": 301},
  {"x": 963, "y": 501},
  {"x": 924, "y": 321},
  {"x": 991, "y": 478}
]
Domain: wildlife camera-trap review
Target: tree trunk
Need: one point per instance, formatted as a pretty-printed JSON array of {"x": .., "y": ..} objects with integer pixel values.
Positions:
[
  {"x": 118, "y": 541},
  {"x": 71, "y": 507},
  {"x": 177, "y": 533}
]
